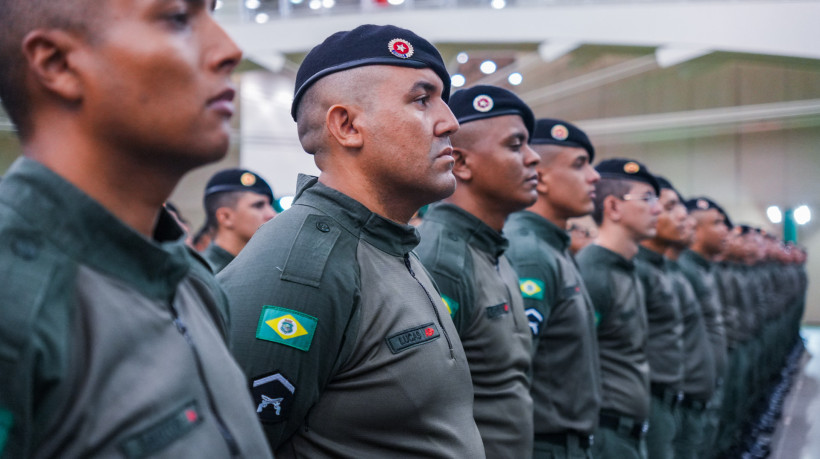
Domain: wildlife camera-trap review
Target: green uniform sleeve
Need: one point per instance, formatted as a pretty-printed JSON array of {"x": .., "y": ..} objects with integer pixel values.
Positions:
[{"x": 294, "y": 297}]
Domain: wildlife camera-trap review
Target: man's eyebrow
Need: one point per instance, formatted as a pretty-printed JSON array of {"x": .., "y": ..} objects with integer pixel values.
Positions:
[{"x": 423, "y": 86}]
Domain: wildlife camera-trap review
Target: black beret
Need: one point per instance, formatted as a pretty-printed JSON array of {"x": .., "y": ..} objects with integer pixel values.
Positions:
[
  {"x": 558, "y": 132},
  {"x": 368, "y": 45},
  {"x": 627, "y": 169},
  {"x": 484, "y": 101},
  {"x": 666, "y": 184},
  {"x": 703, "y": 203},
  {"x": 238, "y": 180}
]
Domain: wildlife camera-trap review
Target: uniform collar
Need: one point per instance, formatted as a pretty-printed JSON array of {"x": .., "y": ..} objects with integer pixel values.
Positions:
[
  {"x": 650, "y": 256},
  {"x": 479, "y": 234},
  {"x": 82, "y": 228},
  {"x": 697, "y": 258},
  {"x": 386, "y": 235},
  {"x": 609, "y": 257},
  {"x": 543, "y": 228}
]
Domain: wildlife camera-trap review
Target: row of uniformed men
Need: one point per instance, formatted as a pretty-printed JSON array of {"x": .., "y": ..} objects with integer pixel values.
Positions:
[
  {"x": 349, "y": 346},
  {"x": 633, "y": 361}
]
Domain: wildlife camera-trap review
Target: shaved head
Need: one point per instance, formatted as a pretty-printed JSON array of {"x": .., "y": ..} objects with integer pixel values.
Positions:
[
  {"x": 352, "y": 87},
  {"x": 18, "y": 19}
]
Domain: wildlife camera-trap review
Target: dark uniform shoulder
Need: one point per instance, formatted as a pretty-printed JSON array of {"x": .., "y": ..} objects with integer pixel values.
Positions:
[{"x": 443, "y": 252}]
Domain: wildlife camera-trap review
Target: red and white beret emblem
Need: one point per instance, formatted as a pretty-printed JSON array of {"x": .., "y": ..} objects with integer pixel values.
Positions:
[
  {"x": 559, "y": 132},
  {"x": 400, "y": 47},
  {"x": 483, "y": 103}
]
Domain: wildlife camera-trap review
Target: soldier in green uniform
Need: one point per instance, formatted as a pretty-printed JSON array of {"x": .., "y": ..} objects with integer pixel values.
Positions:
[
  {"x": 237, "y": 203},
  {"x": 665, "y": 342},
  {"x": 626, "y": 211},
  {"x": 698, "y": 266},
  {"x": 566, "y": 381},
  {"x": 347, "y": 344},
  {"x": 113, "y": 338},
  {"x": 463, "y": 248},
  {"x": 699, "y": 366}
]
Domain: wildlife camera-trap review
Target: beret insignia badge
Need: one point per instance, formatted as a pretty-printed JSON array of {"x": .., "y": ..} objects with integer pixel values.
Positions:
[
  {"x": 483, "y": 103},
  {"x": 702, "y": 204},
  {"x": 400, "y": 48},
  {"x": 559, "y": 132},
  {"x": 247, "y": 179},
  {"x": 631, "y": 167}
]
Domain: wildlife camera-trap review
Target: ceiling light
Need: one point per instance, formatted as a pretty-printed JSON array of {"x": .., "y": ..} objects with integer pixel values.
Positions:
[
  {"x": 515, "y": 78},
  {"x": 458, "y": 80},
  {"x": 395, "y": 2},
  {"x": 462, "y": 57},
  {"x": 774, "y": 214},
  {"x": 498, "y": 4},
  {"x": 328, "y": 3},
  {"x": 315, "y": 4},
  {"x": 252, "y": 4},
  {"x": 261, "y": 18},
  {"x": 218, "y": 4},
  {"x": 802, "y": 215},
  {"x": 487, "y": 67}
]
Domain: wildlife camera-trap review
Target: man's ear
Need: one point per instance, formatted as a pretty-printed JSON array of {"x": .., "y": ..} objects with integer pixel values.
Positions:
[
  {"x": 542, "y": 187},
  {"x": 461, "y": 168},
  {"x": 343, "y": 122},
  {"x": 224, "y": 217},
  {"x": 612, "y": 208},
  {"x": 49, "y": 56}
]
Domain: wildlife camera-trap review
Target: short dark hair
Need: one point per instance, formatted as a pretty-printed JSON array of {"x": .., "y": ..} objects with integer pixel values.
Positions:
[
  {"x": 20, "y": 17},
  {"x": 607, "y": 187},
  {"x": 215, "y": 201}
]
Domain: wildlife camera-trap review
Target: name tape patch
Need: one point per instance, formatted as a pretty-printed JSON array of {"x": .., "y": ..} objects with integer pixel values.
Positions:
[
  {"x": 162, "y": 433},
  {"x": 413, "y": 337},
  {"x": 497, "y": 310}
]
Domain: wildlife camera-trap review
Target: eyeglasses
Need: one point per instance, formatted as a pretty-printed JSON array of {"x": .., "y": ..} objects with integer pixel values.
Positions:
[{"x": 650, "y": 199}]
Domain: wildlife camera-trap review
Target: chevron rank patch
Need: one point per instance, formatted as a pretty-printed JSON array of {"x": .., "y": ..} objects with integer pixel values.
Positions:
[
  {"x": 531, "y": 288},
  {"x": 451, "y": 304},
  {"x": 535, "y": 319},
  {"x": 273, "y": 396},
  {"x": 286, "y": 326}
]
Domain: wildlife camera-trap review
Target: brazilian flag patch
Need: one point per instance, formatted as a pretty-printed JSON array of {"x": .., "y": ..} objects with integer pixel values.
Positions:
[
  {"x": 531, "y": 288},
  {"x": 286, "y": 326},
  {"x": 6, "y": 421},
  {"x": 452, "y": 305}
]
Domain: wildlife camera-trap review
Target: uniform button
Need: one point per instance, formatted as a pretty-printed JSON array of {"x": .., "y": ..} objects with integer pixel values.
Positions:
[
  {"x": 453, "y": 236},
  {"x": 323, "y": 227},
  {"x": 25, "y": 249}
]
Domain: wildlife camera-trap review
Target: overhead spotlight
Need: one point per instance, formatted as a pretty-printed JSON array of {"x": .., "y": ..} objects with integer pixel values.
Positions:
[
  {"x": 457, "y": 80},
  {"x": 315, "y": 4},
  {"x": 462, "y": 58},
  {"x": 498, "y": 4},
  {"x": 284, "y": 203},
  {"x": 328, "y": 3},
  {"x": 296, "y": 2},
  {"x": 802, "y": 215},
  {"x": 487, "y": 67},
  {"x": 515, "y": 78},
  {"x": 261, "y": 18},
  {"x": 252, "y": 4},
  {"x": 218, "y": 4},
  {"x": 774, "y": 214},
  {"x": 395, "y": 2}
]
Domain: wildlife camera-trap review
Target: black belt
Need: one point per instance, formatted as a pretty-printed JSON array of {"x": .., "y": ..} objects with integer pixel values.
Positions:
[
  {"x": 668, "y": 396},
  {"x": 693, "y": 403},
  {"x": 625, "y": 425},
  {"x": 566, "y": 439}
]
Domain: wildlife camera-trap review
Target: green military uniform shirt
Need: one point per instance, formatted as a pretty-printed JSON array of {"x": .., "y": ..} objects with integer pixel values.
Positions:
[
  {"x": 700, "y": 273},
  {"x": 217, "y": 257},
  {"x": 465, "y": 258},
  {"x": 347, "y": 345},
  {"x": 566, "y": 382},
  {"x": 664, "y": 347},
  {"x": 111, "y": 344},
  {"x": 699, "y": 364},
  {"x": 618, "y": 298}
]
